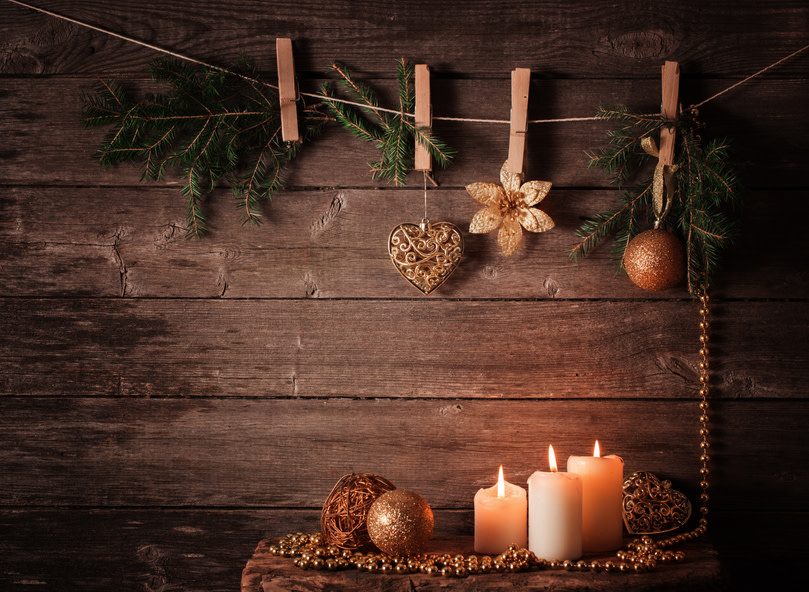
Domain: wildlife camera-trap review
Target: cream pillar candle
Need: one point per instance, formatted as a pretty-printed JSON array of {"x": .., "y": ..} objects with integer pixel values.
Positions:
[
  {"x": 554, "y": 513},
  {"x": 602, "y": 481},
  {"x": 501, "y": 517}
]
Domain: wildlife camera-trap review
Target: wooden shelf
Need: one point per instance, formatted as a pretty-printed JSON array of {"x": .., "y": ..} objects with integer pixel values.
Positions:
[{"x": 268, "y": 573}]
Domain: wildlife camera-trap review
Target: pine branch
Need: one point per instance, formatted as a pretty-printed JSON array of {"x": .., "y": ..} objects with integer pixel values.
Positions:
[
  {"x": 706, "y": 191},
  {"x": 213, "y": 127},
  {"x": 393, "y": 134},
  {"x": 622, "y": 220},
  {"x": 360, "y": 92},
  {"x": 350, "y": 119},
  {"x": 407, "y": 95},
  {"x": 623, "y": 154},
  {"x": 595, "y": 230},
  {"x": 438, "y": 149}
]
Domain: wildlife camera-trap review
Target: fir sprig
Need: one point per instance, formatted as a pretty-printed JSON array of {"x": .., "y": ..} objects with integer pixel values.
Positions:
[
  {"x": 209, "y": 126},
  {"x": 705, "y": 194},
  {"x": 393, "y": 134}
]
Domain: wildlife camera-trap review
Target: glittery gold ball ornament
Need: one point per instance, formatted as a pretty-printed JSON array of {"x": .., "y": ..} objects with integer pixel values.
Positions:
[
  {"x": 345, "y": 511},
  {"x": 400, "y": 522},
  {"x": 655, "y": 260}
]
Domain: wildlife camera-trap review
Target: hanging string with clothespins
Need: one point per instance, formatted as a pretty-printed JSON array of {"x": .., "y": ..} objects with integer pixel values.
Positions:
[
  {"x": 240, "y": 134},
  {"x": 212, "y": 66}
]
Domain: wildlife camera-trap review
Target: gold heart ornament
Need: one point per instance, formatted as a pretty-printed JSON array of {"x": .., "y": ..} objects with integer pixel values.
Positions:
[
  {"x": 651, "y": 506},
  {"x": 427, "y": 254}
]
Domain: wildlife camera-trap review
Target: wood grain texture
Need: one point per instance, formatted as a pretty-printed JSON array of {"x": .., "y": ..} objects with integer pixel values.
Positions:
[
  {"x": 583, "y": 39},
  {"x": 407, "y": 348},
  {"x": 165, "y": 404},
  {"x": 331, "y": 243},
  {"x": 289, "y": 453},
  {"x": 143, "y": 550},
  {"x": 183, "y": 550},
  {"x": 265, "y": 572}
]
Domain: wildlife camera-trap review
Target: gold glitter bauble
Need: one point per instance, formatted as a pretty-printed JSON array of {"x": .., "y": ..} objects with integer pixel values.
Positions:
[
  {"x": 400, "y": 522},
  {"x": 655, "y": 260},
  {"x": 343, "y": 519}
]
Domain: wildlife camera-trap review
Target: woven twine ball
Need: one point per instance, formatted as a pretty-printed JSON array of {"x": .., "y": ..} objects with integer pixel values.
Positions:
[
  {"x": 343, "y": 519},
  {"x": 400, "y": 523},
  {"x": 655, "y": 260}
]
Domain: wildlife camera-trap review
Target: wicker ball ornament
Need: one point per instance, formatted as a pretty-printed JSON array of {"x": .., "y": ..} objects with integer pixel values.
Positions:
[
  {"x": 655, "y": 260},
  {"x": 400, "y": 523},
  {"x": 345, "y": 511}
]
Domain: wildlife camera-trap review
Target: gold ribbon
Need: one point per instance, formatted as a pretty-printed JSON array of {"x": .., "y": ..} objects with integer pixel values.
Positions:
[{"x": 662, "y": 184}]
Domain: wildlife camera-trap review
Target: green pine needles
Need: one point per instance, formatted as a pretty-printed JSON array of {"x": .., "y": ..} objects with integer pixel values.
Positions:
[
  {"x": 705, "y": 191},
  {"x": 216, "y": 127},
  {"x": 393, "y": 134},
  {"x": 210, "y": 126}
]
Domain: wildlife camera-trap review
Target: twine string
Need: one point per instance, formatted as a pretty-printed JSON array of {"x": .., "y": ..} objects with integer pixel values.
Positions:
[
  {"x": 364, "y": 106},
  {"x": 744, "y": 80},
  {"x": 425, "y": 194},
  {"x": 129, "y": 39}
]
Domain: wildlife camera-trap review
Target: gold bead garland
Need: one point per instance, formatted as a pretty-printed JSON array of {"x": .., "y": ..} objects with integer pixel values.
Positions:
[{"x": 310, "y": 551}]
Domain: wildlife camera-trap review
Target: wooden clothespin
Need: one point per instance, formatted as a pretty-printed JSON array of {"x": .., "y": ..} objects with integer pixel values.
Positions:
[
  {"x": 287, "y": 93},
  {"x": 520, "y": 83},
  {"x": 669, "y": 108},
  {"x": 662, "y": 185},
  {"x": 424, "y": 116}
]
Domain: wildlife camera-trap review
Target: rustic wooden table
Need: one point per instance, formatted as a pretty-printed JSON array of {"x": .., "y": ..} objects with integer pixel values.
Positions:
[{"x": 268, "y": 573}]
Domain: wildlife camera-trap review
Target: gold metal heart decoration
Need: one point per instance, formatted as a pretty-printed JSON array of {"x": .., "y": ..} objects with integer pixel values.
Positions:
[
  {"x": 651, "y": 506},
  {"x": 427, "y": 254}
]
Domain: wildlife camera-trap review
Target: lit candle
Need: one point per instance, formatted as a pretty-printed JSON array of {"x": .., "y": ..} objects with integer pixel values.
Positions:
[
  {"x": 602, "y": 481},
  {"x": 501, "y": 517},
  {"x": 554, "y": 513}
]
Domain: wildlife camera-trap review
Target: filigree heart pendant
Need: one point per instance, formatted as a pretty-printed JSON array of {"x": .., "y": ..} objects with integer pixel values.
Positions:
[
  {"x": 426, "y": 254},
  {"x": 652, "y": 506}
]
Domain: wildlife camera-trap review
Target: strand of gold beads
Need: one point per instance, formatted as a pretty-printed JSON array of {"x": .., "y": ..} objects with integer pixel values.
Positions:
[{"x": 310, "y": 551}]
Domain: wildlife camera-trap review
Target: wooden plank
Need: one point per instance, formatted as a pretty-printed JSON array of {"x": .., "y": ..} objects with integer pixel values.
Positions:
[
  {"x": 303, "y": 348},
  {"x": 597, "y": 40},
  {"x": 37, "y": 135},
  {"x": 700, "y": 570},
  {"x": 331, "y": 244},
  {"x": 288, "y": 453},
  {"x": 748, "y": 558},
  {"x": 136, "y": 549},
  {"x": 182, "y": 550}
]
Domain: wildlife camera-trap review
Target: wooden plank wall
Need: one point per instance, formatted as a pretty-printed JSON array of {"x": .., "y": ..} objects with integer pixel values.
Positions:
[{"x": 166, "y": 403}]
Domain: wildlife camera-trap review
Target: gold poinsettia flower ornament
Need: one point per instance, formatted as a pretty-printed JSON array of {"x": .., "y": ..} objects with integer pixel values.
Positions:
[{"x": 510, "y": 204}]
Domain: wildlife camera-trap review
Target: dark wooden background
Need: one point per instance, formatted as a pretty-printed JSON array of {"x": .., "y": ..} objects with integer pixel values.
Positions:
[{"x": 166, "y": 403}]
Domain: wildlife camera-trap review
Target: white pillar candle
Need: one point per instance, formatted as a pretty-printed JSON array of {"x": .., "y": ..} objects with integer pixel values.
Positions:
[
  {"x": 501, "y": 517},
  {"x": 554, "y": 513},
  {"x": 602, "y": 481}
]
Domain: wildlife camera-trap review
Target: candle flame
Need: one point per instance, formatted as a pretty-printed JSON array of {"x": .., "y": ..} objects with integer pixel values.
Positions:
[
  {"x": 501, "y": 485},
  {"x": 552, "y": 460},
  {"x": 596, "y": 450}
]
